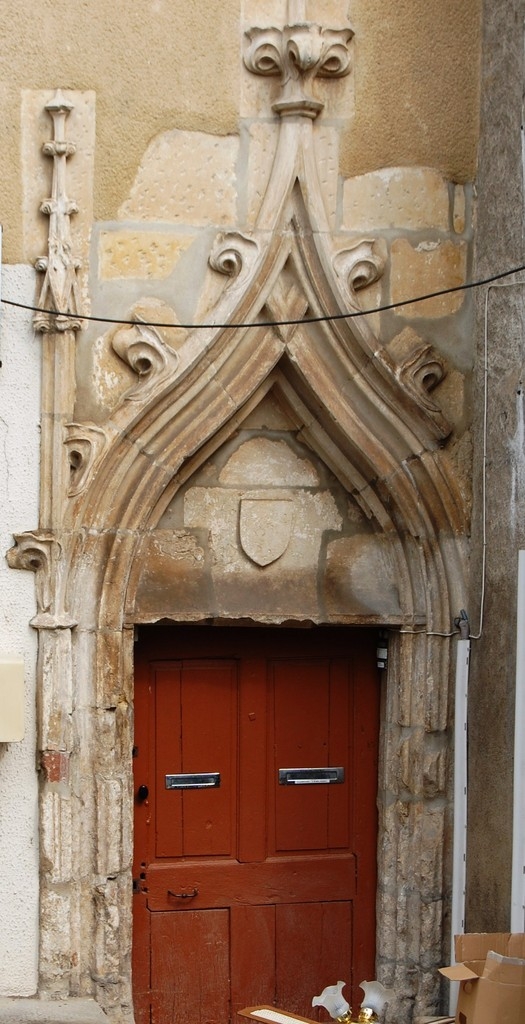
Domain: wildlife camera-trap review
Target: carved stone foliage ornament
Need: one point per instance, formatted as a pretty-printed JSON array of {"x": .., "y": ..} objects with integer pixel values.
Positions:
[
  {"x": 143, "y": 348},
  {"x": 419, "y": 369},
  {"x": 60, "y": 289},
  {"x": 360, "y": 265},
  {"x": 233, "y": 254},
  {"x": 85, "y": 443},
  {"x": 41, "y": 553},
  {"x": 298, "y": 54}
]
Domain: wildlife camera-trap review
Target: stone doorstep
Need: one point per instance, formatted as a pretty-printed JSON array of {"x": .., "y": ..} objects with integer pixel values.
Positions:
[
  {"x": 426, "y": 1020},
  {"x": 48, "y": 1011}
]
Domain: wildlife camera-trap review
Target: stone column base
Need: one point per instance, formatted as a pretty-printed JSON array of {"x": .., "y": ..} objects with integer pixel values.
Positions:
[{"x": 51, "y": 1011}]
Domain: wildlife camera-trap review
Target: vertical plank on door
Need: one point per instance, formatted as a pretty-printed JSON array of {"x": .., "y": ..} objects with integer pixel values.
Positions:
[
  {"x": 209, "y": 744},
  {"x": 196, "y": 714},
  {"x": 340, "y": 754},
  {"x": 252, "y": 957},
  {"x": 142, "y": 850},
  {"x": 367, "y": 695},
  {"x": 167, "y": 755},
  {"x": 301, "y": 694},
  {"x": 190, "y": 967},
  {"x": 313, "y": 949},
  {"x": 253, "y": 795}
]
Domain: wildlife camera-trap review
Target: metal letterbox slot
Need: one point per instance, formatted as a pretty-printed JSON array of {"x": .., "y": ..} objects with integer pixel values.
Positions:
[
  {"x": 310, "y": 776},
  {"x": 199, "y": 780}
]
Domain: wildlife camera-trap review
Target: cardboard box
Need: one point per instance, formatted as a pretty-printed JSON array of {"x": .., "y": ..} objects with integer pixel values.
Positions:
[{"x": 491, "y": 973}]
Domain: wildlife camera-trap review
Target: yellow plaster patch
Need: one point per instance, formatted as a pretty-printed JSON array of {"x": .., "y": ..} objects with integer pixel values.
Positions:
[
  {"x": 430, "y": 267},
  {"x": 139, "y": 254},
  {"x": 459, "y": 209},
  {"x": 186, "y": 177},
  {"x": 409, "y": 197}
]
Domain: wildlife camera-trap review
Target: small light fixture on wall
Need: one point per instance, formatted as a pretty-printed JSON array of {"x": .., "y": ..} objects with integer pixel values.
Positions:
[{"x": 382, "y": 648}]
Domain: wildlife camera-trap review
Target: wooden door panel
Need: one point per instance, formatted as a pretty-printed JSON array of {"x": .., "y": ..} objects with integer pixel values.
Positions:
[
  {"x": 190, "y": 967},
  {"x": 225, "y": 883},
  {"x": 285, "y": 955},
  {"x": 341, "y": 751},
  {"x": 141, "y": 961},
  {"x": 248, "y": 893},
  {"x": 313, "y": 945},
  {"x": 253, "y": 794},
  {"x": 301, "y": 699},
  {"x": 252, "y": 950},
  {"x": 311, "y": 721},
  {"x": 190, "y": 738}
]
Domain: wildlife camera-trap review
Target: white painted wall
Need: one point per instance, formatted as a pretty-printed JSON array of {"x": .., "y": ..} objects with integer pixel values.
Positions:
[{"x": 19, "y": 475}]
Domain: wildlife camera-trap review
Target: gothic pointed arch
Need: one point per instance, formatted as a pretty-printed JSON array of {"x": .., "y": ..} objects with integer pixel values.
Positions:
[{"x": 288, "y": 318}]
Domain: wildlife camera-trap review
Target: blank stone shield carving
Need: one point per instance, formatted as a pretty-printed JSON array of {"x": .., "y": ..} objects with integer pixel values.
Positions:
[{"x": 265, "y": 527}]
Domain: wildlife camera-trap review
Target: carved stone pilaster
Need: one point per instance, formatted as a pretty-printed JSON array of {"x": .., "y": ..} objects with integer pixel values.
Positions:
[
  {"x": 298, "y": 54},
  {"x": 60, "y": 290},
  {"x": 41, "y": 553}
]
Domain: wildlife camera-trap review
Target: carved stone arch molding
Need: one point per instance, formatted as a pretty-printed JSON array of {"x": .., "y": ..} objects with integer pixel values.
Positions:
[{"x": 359, "y": 409}]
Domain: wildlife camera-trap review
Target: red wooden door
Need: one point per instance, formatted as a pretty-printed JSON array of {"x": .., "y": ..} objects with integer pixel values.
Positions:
[{"x": 257, "y": 883}]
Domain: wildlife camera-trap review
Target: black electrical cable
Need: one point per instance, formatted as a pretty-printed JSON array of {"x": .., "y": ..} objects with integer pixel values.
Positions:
[{"x": 276, "y": 323}]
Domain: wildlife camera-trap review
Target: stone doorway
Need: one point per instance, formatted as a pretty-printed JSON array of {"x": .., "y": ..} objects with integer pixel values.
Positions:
[{"x": 278, "y": 464}]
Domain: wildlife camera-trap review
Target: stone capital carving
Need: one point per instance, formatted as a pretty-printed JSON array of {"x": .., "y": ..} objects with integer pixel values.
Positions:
[
  {"x": 60, "y": 288},
  {"x": 41, "y": 553},
  {"x": 298, "y": 54}
]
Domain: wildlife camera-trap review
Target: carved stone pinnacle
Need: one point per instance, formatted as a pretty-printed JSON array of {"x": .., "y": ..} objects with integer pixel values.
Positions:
[{"x": 59, "y": 291}]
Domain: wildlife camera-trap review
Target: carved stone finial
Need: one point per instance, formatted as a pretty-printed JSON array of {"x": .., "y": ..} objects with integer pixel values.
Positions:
[
  {"x": 60, "y": 288},
  {"x": 299, "y": 54}
]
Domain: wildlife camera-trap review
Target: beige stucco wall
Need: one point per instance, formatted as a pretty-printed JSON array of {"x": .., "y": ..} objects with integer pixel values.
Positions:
[
  {"x": 160, "y": 65},
  {"x": 407, "y": 55}
]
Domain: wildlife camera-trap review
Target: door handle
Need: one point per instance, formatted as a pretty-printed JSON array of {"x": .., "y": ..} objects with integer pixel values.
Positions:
[{"x": 183, "y": 895}]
